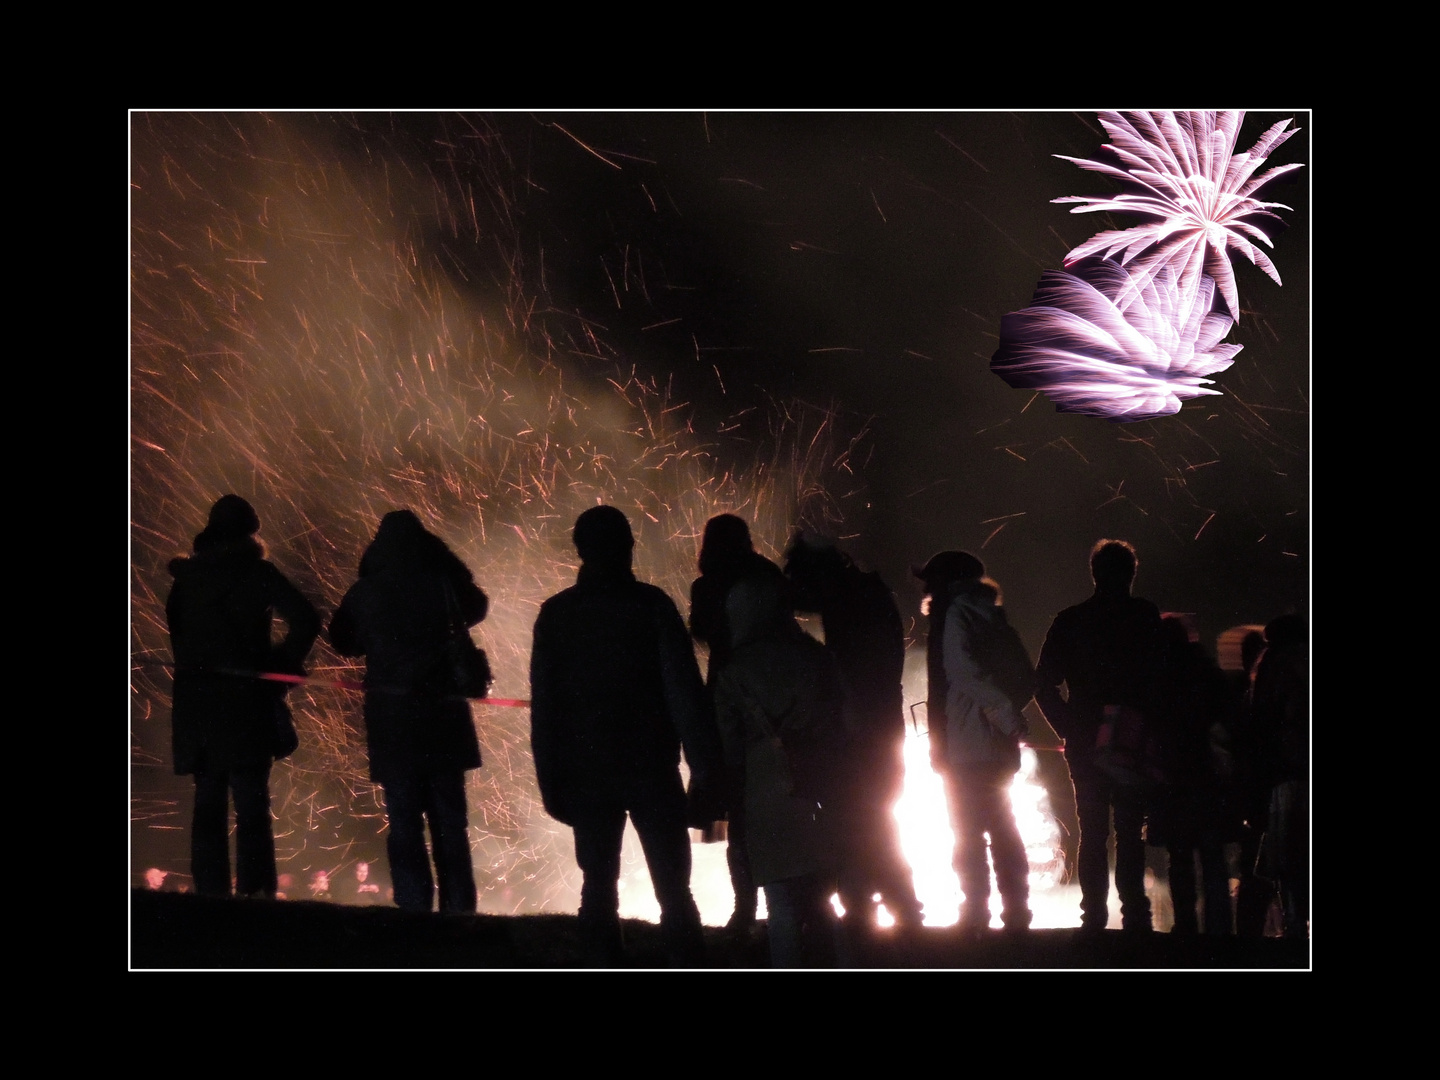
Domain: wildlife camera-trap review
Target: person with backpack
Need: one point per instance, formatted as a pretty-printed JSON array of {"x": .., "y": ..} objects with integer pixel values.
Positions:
[
  {"x": 990, "y": 681},
  {"x": 414, "y": 599}
]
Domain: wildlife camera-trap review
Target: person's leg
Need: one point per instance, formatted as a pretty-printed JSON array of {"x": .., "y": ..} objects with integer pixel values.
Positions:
[
  {"x": 1092, "y": 807},
  {"x": 665, "y": 839},
  {"x": 966, "y": 796},
  {"x": 742, "y": 882},
  {"x": 210, "y": 835},
  {"x": 1130, "y": 859},
  {"x": 1007, "y": 852},
  {"x": 409, "y": 859},
  {"x": 449, "y": 816},
  {"x": 1215, "y": 881},
  {"x": 254, "y": 833},
  {"x": 599, "y": 833},
  {"x": 1183, "y": 893}
]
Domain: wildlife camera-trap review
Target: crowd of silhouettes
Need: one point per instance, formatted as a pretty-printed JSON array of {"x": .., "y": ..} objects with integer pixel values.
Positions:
[{"x": 795, "y": 744}]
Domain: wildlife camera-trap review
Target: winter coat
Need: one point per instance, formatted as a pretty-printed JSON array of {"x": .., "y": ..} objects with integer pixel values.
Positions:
[
  {"x": 412, "y": 596},
  {"x": 780, "y": 705},
  {"x": 864, "y": 630},
  {"x": 708, "y": 622},
  {"x": 983, "y": 724},
  {"x": 615, "y": 692},
  {"x": 1108, "y": 651},
  {"x": 220, "y": 612}
]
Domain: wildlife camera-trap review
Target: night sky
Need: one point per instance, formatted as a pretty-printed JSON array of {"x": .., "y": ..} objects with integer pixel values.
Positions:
[
  {"x": 338, "y": 314},
  {"x": 866, "y": 260}
]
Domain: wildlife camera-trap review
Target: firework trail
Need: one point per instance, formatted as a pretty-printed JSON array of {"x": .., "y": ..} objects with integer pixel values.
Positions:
[
  {"x": 1131, "y": 336},
  {"x": 339, "y": 316}
]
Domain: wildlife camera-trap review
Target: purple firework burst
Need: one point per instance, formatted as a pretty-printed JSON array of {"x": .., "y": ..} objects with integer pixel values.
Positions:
[
  {"x": 1092, "y": 357},
  {"x": 1127, "y": 330},
  {"x": 1181, "y": 171}
]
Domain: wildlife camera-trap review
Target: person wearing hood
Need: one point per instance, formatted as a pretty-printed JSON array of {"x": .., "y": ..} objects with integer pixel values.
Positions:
[
  {"x": 413, "y": 595},
  {"x": 727, "y": 556},
  {"x": 228, "y": 725},
  {"x": 989, "y": 681},
  {"x": 781, "y": 707},
  {"x": 615, "y": 694}
]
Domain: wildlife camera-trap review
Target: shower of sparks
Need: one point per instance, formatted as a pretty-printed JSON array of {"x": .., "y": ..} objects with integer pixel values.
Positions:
[
  {"x": 335, "y": 317},
  {"x": 1127, "y": 332}
]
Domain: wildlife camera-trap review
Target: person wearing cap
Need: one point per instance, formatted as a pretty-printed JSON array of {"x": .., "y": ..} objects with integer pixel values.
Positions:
[
  {"x": 939, "y": 574},
  {"x": 615, "y": 694},
  {"x": 228, "y": 726}
]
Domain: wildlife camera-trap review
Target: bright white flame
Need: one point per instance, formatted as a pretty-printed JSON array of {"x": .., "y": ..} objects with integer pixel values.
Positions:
[{"x": 926, "y": 840}]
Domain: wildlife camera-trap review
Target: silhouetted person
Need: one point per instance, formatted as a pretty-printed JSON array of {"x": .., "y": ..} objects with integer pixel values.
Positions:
[
  {"x": 413, "y": 595},
  {"x": 727, "y": 555},
  {"x": 1252, "y": 793},
  {"x": 1280, "y": 712},
  {"x": 1107, "y": 651},
  {"x": 938, "y": 576},
  {"x": 780, "y": 703},
  {"x": 989, "y": 680},
  {"x": 1188, "y": 818},
  {"x": 228, "y": 725},
  {"x": 615, "y": 693},
  {"x": 864, "y": 632}
]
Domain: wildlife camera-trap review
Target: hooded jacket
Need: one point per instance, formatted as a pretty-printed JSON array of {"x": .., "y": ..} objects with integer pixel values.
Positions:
[
  {"x": 780, "y": 704},
  {"x": 983, "y": 723},
  {"x": 412, "y": 596}
]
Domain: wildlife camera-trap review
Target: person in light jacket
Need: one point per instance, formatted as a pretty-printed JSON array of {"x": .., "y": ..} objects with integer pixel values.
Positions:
[{"x": 984, "y": 725}]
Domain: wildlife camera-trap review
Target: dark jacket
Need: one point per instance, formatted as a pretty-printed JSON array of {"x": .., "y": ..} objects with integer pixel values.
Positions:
[
  {"x": 412, "y": 594},
  {"x": 220, "y": 612},
  {"x": 615, "y": 692},
  {"x": 1108, "y": 651}
]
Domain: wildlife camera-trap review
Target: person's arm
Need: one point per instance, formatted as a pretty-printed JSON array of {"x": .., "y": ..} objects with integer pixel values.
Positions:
[
  {"x": 344, "y": 633},
  {"x": 1049, "y": 674},
  {"x": 685, "y": 694},
  {"x": 301, "y": 619},
  {"x": 545, "y": 745}
]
